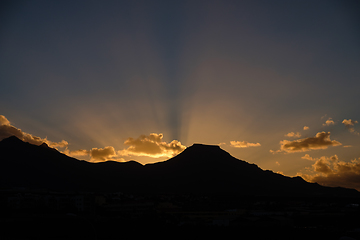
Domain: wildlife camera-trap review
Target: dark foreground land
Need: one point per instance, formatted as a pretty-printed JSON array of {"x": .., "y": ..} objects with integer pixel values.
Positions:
[
  {"x": 84, "y": 215},
  {"x": 202, "y": 192}
]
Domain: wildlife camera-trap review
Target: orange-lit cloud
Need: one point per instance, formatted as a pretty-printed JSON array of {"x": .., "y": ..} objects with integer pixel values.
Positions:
[
  {"x": 330, "y": 171},
  {"x": 292, "y": 134},
  {"x": 102, "y": 154},
  {"x": 329, "y": 122},
  {"x": 349, "y": 122},
  {"x": 243, "y": 144},
  {"x": 320, "y": 141},
  {"x": 306, "y": 128},
  {"x": 7, "y": 130},
  {"x": 76, "y": 153},
  {"x": 96, "y": 154},
  {"x": 350, "y": 125},
  {"x": 332, "y": 158},
  {"x": 151, "y": 146},
  {"x": 3, "y": 120}
]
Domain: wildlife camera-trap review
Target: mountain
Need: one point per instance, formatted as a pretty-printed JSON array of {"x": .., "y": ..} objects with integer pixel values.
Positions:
[{"x": 199, "y": 169}]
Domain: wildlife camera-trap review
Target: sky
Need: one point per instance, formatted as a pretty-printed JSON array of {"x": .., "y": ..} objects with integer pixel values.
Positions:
[{"x": 275, "y": 83}]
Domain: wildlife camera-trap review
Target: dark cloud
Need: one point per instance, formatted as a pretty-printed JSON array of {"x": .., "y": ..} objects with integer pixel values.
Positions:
[{"x": 320, "y": 141}]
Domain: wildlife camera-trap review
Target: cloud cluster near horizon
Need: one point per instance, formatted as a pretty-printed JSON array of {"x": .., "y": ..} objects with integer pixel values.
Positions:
[
  {"x": 96, "y": 154},
  {"x": 7, "y": 130},
  {"x": 145, "y": 145},
  {"x": 330, "y": 171},
  {"x": 151, "y": 146}
]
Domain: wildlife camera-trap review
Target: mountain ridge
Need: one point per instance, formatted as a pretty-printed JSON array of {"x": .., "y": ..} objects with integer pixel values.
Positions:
[{"x": 199, "y": 169}]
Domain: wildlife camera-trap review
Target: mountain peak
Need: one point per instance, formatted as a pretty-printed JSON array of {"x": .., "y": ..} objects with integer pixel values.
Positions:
[
  {"x": 44, "y": 145},
  {"x": 203, "y": 154},
  {"x": 11, "y": 140},
  {"x": 200, "y": 145},
  {"x": 198, "y": 148}
]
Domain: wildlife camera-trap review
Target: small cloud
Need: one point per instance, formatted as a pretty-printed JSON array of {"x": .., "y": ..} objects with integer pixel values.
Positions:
[
  {"x": 349, "y": 124},
  {"x": 320, "y": 141},
  {"x": 151, "y": 146},
  {"x": 306, "y": 128},
  {"x": 292, "y": 134},
  {"x": 243, "y": 144},
  {"x": 274, "y": 152},
  {"x": 277, "y": 163},
  {"x": 347, "y": 146},
  {"x": 329, "y": 122},
  {"x": 323, "y": 158},
  {"x": 307, "y": 157},
  {"x": 4, "y": 121}
]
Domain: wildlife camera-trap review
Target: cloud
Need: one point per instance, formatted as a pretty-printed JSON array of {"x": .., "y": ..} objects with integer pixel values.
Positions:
[
  {"x": 97, "y": 154},
  {"x": 307, "y": 157},
  {"x": 151, "y": 146},
  {"x": 329, "y": 171},
  {"x": 7, "y": 130},
  {"x": 61, "y": 144},
  {"x": 320, "y": 141},
  {"x": 3, "y": 120},
  {"x": 243, "y": 144},
  {"x": 329, "y": 122},
  {"x": 292, "y": 134},
  {"x": 306, "y": 128},
  {"x": 332, "y": 158},
  {"x": 102, "y": 154},
  {"x": 76, "y": 153},
  {"x": 349, "y": 124}
]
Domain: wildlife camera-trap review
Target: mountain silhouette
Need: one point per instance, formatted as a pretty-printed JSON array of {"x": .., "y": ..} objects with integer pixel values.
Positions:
[{"x": 199, "y": 169}]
